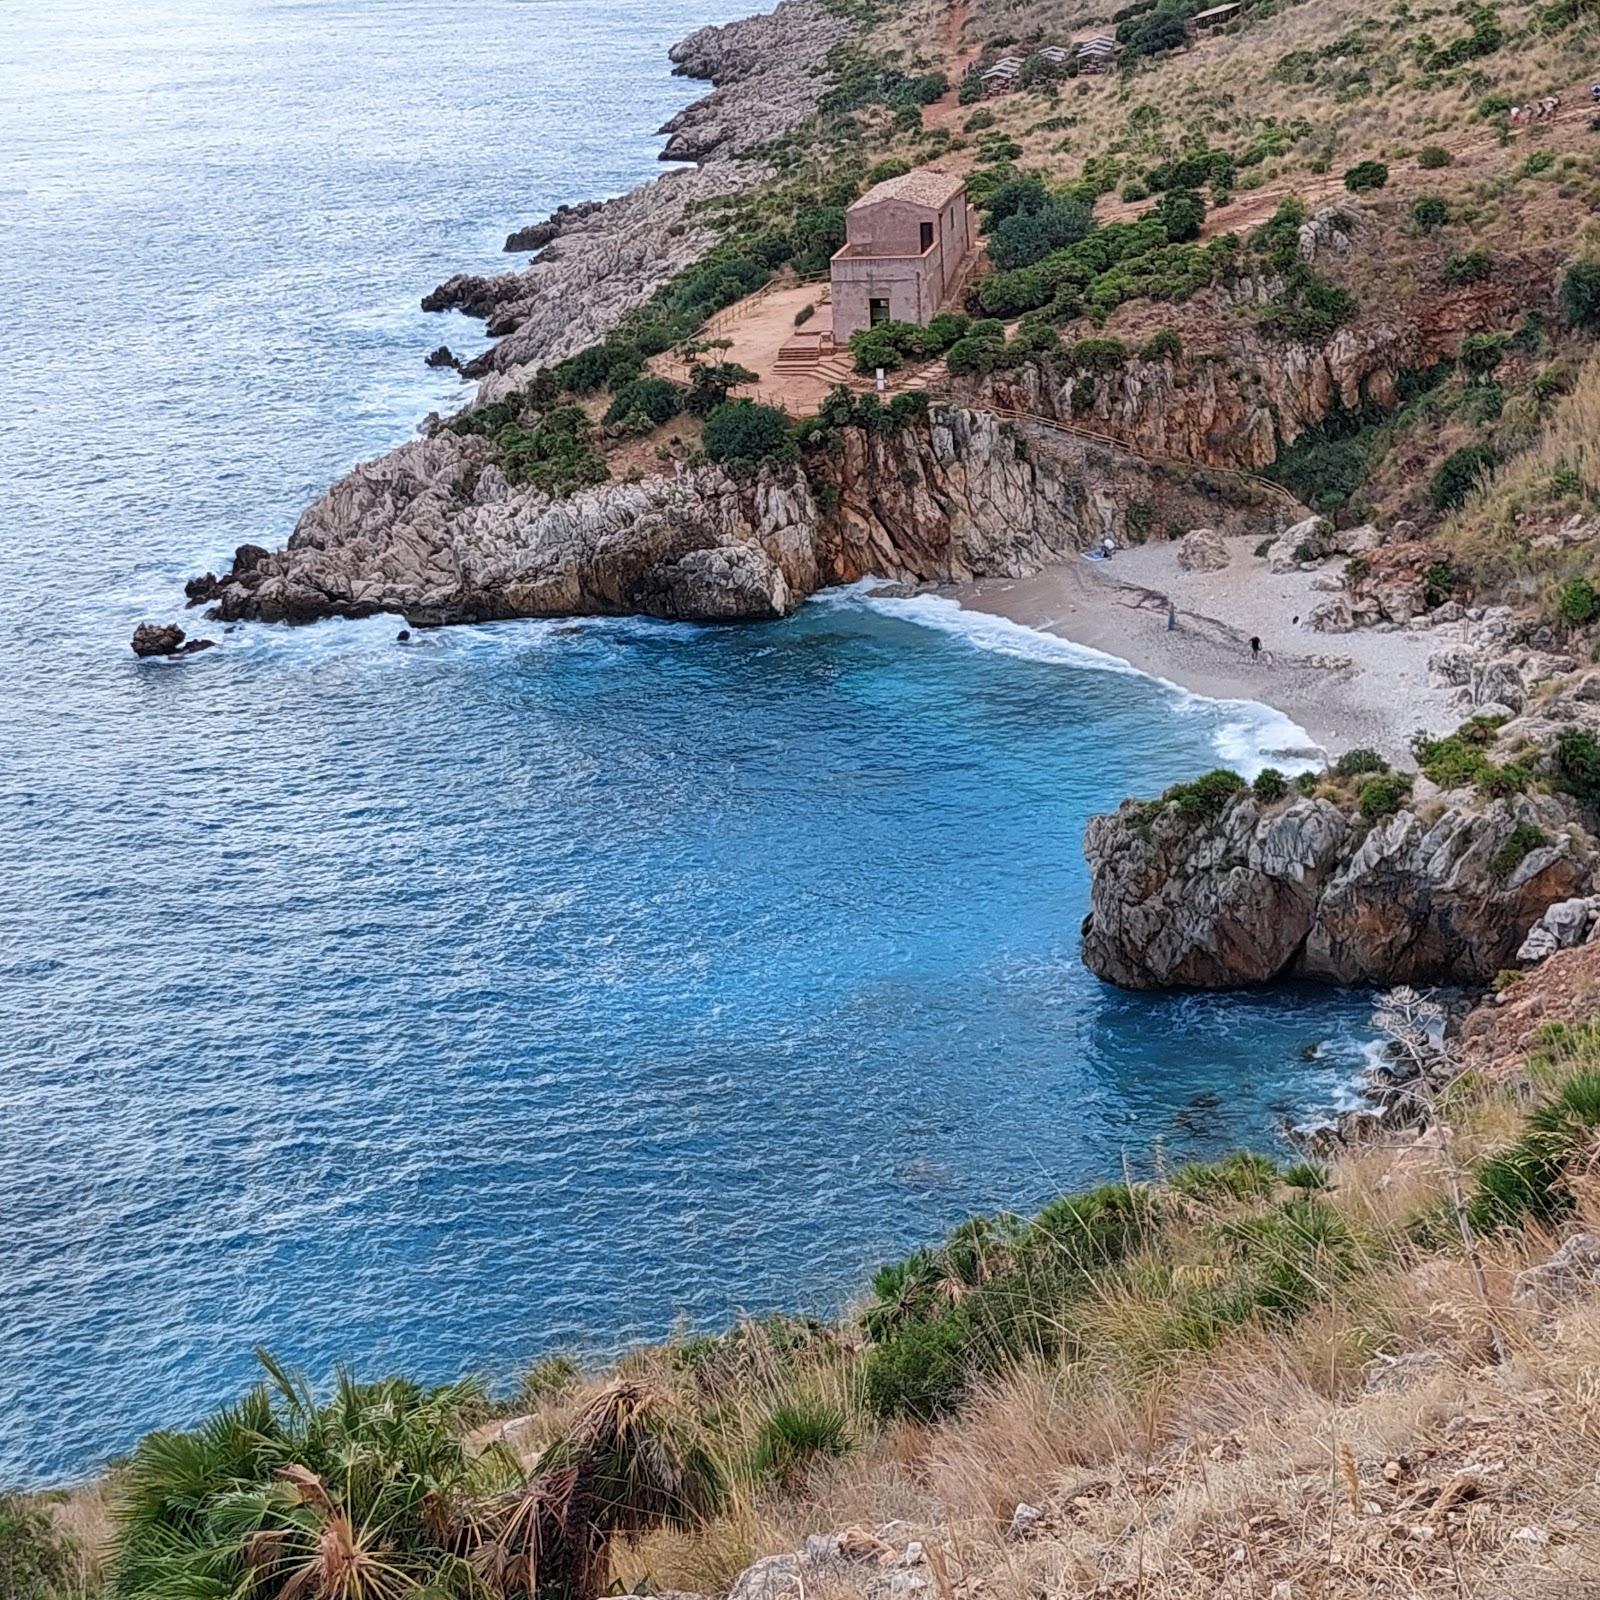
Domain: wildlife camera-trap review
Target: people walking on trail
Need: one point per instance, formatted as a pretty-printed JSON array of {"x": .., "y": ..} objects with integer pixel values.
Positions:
[
  {"x": 1172, "y": 617},
  {"x": 1255, "y": 649}
]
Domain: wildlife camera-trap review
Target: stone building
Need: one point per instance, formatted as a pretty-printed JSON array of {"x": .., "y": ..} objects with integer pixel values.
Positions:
[{"x": 906, "y": 240}]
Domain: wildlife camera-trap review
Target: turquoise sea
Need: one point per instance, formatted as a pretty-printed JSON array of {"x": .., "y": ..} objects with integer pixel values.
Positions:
[{"x": 532, "y": 986}]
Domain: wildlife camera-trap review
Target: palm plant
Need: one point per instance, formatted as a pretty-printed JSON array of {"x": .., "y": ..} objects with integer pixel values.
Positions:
[{"x": 373, "y": 1494}]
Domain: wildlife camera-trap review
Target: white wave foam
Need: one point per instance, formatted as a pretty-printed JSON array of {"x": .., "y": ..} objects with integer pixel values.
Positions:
[{"x": 1253, "y": 736}]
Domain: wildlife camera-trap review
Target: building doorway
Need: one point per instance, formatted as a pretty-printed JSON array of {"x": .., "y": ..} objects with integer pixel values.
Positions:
[
  {"x": 877, "y": 311},
  {"x": 927, "y": 237}
]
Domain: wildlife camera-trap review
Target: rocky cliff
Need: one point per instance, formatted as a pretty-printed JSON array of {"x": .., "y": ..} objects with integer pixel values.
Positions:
[
  {"x": 435, "y": 532},
  {"x": 1306, "y": 889},
  {"x": 1236, "y": 399}
]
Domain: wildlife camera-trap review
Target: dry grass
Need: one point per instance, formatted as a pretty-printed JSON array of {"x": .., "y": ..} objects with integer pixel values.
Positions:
[{"x": 1507, "y": 531}]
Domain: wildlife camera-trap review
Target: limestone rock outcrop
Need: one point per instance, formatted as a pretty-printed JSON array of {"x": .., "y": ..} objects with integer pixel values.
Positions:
[
  {"x": 1202, "y": 550},
  {"x": 1305, "y": 890},
  {"x": 435, "y": 532}
]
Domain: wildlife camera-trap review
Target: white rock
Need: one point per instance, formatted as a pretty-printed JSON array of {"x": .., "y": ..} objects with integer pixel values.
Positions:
[
  {"x": 1570, "y": 1274},
  {"x": 1024, "y": 1521}
]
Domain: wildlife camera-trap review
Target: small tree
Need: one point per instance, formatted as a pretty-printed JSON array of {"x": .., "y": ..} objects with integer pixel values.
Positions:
[{"x": 710, "y": 382}]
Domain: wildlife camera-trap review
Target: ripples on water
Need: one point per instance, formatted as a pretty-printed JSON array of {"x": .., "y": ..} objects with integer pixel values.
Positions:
[{"x": 432, "y": 1006}]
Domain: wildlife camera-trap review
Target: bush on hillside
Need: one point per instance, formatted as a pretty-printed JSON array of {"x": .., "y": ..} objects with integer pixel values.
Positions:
[
  {"x": 1580, "y": 296},
  {"x": 1530, "y": 1181},
  {"x": 1471, "y": 266},
  {"x": 1459, "y": 474},
  {"x": 1578, "y": 603},
  {"x": 1384, "y": 795},
  {"x": 1430, "y": 211},
  {"x": 1577, "y": 764},
  {"x": 1180, "y": 212},
  {"x": 1270, "y": 785},
  {"x": 745, "y": 433},
  {"x": 1207, "y": 797},
  {"x": 711, "y": 382},
  {"x": 1433, "y": 156},
  {"x": 1028, "y": 236},
  {"x": 1365, "y": 176},
  {"x": 796, "y": 1435},
  {"x": 1359, "y": 762},
  {"x": 1163, "y": 344},
  {"x": 645, "y": 403}
]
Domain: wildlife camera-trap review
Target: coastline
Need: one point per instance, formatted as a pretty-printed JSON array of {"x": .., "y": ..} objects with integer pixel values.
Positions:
[{"x": 1365, "y": 688}]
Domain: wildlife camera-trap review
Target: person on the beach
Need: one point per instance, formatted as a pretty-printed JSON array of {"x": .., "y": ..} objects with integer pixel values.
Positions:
[
  {"x": 1172, "y": 616},
  {"x": 1108, "y": 547},
  {"x": 1255, "y": 649}
]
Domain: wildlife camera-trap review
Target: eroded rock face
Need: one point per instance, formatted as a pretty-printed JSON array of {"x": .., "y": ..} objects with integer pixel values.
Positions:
[
  {"x": 435, "y": 532},
  {"x": 1304, "y": 890},
  {"x": 1202, "y": 550}
]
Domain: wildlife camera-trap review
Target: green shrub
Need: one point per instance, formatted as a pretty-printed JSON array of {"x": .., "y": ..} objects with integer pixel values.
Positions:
[
  {"x": 1539, "y": 161},
  {"x": 1439, "y": 583},
  {"x": 979, "y": 120},
  {"x": 1580, "y": 296},
  {"x": 1207, "y": 797},
  {"x": 1430, "y": 211},
  {"x": 1366, "y": 175},
  {"x": 804, "y": 315},
  {"x": 1358, "y": 762},
  {"x": 921, "y": 1372},
  {"x": 974, "y": 354},
  {"x": 1457, "y": 760},
  {"x": 1433, "y": 156},
  {"x": 971, "y": 90},
  {"x": 1524, "y": 839},
  {"x": 556, "y": 454},
  {"x": 1481, "y": 353},
  {"x": 1270, "y": 785},
  {"x": 1384, "y": 795},
  {"x": 1577, "y": 763},
  {"x": 796, "y": 1435},
  {"x": 1029, "y": 236},
  {"x": 1180, "y": 212},
  {"x": 1098, "y": 355},
  {"x": 1291, "y": 1257},
  {"x": 648, "y": 402},
  {"x": 545, "y": 1379},
  {"x": 741, "y": 431},
  {"x": 1459, "y": 474},
  {"x": 1528, "y": 1182},
  {"x": 1471, "y": 266},
  {"x": 1163, "y": 344},
  {"x": 1578, "y": 602}
]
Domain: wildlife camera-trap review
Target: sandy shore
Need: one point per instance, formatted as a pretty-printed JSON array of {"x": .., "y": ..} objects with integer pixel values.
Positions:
[{"x": 1379, "y": 698}]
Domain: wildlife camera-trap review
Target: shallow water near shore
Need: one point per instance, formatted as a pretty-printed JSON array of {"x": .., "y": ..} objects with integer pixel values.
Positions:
[{"x": 432, "y": 1006}]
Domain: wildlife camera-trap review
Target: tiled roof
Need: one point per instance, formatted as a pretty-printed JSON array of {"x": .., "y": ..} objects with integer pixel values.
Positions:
[{"x": 924, "y": 186}]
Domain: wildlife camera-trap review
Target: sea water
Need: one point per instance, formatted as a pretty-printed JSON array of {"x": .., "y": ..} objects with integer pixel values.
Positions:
[{"x": 527, "y": 987}]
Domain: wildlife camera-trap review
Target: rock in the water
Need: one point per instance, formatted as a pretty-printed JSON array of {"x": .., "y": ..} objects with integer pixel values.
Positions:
[
  {"x": 1202, "y": 550},
  {"x": 442, "y": 357},
  {"x": 149, "y": 639},
  {"x": 1572, "y": 1273}
]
